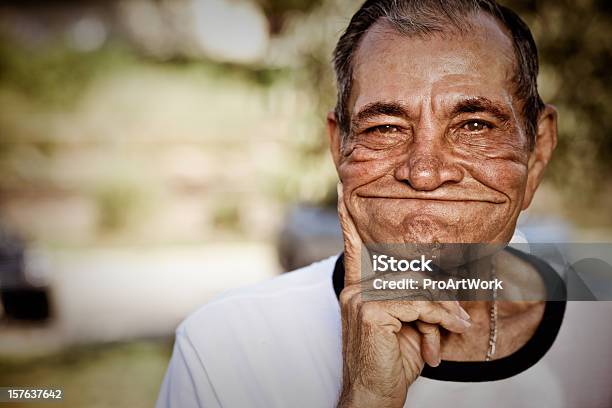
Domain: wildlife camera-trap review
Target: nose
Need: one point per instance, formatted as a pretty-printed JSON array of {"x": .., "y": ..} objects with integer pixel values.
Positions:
[{"x": 429, "y": 165}]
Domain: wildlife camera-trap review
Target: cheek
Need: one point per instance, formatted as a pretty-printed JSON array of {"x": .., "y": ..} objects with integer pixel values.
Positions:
[
  {"x": 500, "y": 165},
  {"x": 508, "y": 177},
  {"x": 506, "y": 174},
  {"x": 360, "y": 168}
]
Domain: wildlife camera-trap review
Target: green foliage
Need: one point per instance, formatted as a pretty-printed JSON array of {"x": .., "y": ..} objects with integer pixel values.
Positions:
[
  {"x": 276, "y": 10},
  {"x": 573, "y": 40},
  {"x": 118, "y": 203},
  {"x": 53, "y": 74},
  {"x": 226, "y": 216}
]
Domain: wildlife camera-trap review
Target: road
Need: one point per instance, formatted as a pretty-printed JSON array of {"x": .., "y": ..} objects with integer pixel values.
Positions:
[{"x": 104, "y": 295}]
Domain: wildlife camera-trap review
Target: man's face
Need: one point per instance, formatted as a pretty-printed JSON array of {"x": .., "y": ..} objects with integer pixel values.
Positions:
[{"x": 437, "y": 151}]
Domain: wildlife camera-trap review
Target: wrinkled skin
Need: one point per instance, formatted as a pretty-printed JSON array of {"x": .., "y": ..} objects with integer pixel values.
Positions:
[
  {"x": 437, "y": 153},
  {"x": 429, "y": 173}
]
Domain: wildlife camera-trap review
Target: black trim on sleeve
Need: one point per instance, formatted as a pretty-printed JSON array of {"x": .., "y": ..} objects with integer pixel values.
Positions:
[{"x": 522, "y": 359}]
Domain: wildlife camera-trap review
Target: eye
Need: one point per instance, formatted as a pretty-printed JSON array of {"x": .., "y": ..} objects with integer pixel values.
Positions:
[
  {"x": 476, "y": 126},
  {"x": 384, "y": 129}
]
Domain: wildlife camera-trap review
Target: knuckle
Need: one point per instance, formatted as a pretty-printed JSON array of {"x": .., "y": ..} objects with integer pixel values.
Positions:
[
  {"x": 369, "y": 312},
  {"x": 345, "y": 297},
  {"x": 433, "y": 312},
  {"x": 426, "y": 328}
]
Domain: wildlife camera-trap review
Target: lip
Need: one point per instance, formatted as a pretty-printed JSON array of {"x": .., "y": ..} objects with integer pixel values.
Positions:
[{"x": 433, "y": 197}]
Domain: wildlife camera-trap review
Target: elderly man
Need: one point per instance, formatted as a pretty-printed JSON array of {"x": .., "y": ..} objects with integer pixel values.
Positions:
[{"x": 438, "y": 136}]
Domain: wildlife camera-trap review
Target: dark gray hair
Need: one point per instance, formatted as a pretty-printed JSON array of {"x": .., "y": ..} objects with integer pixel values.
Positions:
[{"x": 426, "y": 17}]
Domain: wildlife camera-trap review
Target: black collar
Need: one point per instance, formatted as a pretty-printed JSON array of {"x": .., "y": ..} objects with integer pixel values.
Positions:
[{"x": 535, "y": 348}]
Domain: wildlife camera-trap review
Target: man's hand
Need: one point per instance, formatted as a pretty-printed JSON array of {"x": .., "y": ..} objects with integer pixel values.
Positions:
[{"x": 385, "y": 343}]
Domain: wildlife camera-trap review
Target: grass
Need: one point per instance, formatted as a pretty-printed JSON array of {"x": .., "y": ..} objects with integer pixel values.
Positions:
[{"x": 111, "y": 375}]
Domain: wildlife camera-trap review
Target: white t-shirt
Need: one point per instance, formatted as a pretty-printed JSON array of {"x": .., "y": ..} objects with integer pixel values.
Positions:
[{"x": 278, "y": 344}]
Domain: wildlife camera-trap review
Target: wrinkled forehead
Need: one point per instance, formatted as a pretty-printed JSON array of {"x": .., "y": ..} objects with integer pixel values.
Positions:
[{"x": 434, "y": 68}]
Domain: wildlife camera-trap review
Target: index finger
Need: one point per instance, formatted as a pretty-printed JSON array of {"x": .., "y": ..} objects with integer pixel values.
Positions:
[{"x": 352, "y": 242}]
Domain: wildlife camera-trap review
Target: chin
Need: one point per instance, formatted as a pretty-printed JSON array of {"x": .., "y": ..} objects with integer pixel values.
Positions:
[
  {"x": 427, "y": 229},
  {"x": 416, "y": 232}
]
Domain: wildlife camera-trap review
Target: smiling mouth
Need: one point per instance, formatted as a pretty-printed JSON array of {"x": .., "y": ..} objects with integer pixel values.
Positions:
[{"x": 435, "y": 198}]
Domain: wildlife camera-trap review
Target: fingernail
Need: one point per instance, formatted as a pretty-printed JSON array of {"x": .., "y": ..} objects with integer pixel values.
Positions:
[
  {"x": 464, "y": 314},
  {"x": 466, "y": 323}
]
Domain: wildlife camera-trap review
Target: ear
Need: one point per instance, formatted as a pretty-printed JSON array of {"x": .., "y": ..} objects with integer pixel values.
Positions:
[
  {"x": 335, "y": 138},
  {"x": 546, "y": 140}
]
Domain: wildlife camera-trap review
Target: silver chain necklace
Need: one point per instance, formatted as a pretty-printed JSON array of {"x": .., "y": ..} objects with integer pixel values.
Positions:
[{"x": 492, "y": 318}]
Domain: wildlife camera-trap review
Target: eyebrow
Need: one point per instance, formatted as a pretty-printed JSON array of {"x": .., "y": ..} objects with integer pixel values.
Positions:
[
  {"x": 375, "y": 109},
  {"x": 480, "y": 104},
  {"x": 397, "y": 109}
]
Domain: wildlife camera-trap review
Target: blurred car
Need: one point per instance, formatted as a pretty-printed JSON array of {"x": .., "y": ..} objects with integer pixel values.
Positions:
[
  {"x": 23, "y": 286},
  {"x": 309, "y": 233}
]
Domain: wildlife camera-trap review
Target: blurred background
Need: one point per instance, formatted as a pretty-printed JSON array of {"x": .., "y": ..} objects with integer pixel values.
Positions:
[{"x": 156, "y": 153}]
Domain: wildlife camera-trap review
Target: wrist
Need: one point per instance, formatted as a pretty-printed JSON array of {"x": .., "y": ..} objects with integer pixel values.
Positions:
[{"x": 360, "y": 398}]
